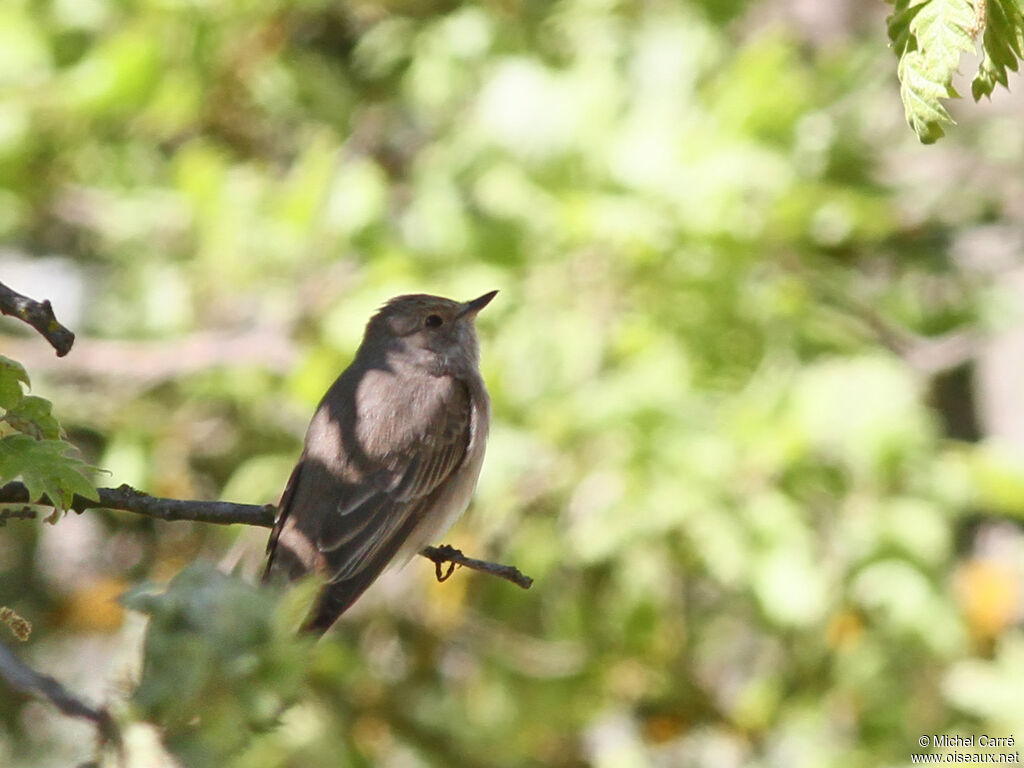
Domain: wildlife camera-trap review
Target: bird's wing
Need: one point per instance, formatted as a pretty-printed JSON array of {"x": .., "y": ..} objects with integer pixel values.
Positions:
[
  {"x": 293, "y": 565},
  {"x": 399, "y": 492},
  {"x": 358, "y": 528}
]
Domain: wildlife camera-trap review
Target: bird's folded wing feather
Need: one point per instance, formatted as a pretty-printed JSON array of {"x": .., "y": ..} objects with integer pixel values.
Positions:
[
  {"x": 377, "y": 520},
  {"x": 357, "y": 528}
]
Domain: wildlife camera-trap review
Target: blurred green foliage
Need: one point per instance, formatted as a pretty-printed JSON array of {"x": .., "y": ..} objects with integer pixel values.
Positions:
[
  {"x": 217, "y": 666},
  {"x": 754, "y": 529}
]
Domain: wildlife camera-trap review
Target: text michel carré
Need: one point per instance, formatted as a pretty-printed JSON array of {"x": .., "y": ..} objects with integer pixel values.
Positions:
[{"x": 972, "y": 741}]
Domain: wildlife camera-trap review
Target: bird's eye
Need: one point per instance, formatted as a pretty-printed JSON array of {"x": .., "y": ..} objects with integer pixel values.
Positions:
[{"x": 433, "y": 321}]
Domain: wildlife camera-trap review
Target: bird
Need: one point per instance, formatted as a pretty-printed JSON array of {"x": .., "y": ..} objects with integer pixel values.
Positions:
[{"x": 391, "y": 456}]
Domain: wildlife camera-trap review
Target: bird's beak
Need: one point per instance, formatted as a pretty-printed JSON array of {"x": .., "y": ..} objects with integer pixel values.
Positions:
[{"x": 470, "y": 308}]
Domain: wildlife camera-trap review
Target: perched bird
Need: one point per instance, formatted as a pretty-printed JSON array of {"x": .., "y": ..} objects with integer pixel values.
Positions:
[{"x": 391, "y": 456}]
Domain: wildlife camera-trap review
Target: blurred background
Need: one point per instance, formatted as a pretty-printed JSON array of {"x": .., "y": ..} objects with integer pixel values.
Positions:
[{"x": 757, "y": 367}]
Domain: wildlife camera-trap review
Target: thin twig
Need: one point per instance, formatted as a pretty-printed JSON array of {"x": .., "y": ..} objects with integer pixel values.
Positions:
[
  {"x": 128, "y": 499},
  {"x": 449, "y": 554},
  {"x": 22, "y": 677},
  {"x": 38, "y": 314}
]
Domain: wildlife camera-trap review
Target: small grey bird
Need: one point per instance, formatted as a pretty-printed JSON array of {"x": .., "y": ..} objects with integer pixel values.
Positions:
[{"x": 392, "y": 454}]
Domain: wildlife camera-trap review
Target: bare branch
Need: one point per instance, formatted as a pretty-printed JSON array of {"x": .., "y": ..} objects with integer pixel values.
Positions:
[
  {"x": 128, "y": 499},
  {"x": 38, "y": 314},
  {"x": 22, "y": 677},
  {"x": 448, "y": 554},
  {"x": 929, "y": 356}
]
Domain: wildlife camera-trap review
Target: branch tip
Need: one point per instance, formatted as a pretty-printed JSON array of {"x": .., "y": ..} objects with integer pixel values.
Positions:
[
  {"x": 454, "y": 557},
  {"x": 38, "y": 314},
  {"x": 23, "y": 678}
]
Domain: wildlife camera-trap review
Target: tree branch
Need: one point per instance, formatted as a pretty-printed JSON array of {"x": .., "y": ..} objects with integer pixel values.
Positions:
[
  {"x": 128, "y": 499},
  {"x": 38, "y": 314},
  {"x": 22, "y": 677},
  {"x": 929, "y": 356},
  {"x": 452, "y": 556}
]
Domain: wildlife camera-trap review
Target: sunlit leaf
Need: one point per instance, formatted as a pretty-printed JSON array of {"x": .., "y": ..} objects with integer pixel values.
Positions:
[
  {"x": 930, "y": 36},
  {"x": 1002, "y": 45}
]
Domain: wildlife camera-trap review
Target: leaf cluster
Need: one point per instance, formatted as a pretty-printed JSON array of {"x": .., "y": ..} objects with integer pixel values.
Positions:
[
  {"x": 929, "y": 37},
  {"x": 33, "y": 446}
]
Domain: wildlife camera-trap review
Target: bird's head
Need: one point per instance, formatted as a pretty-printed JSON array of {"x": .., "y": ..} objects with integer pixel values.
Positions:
[{"x": 431, "y": 331}]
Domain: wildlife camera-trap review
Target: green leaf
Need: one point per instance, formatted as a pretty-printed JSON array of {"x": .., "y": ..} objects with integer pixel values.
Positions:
[
  {"x": 929, "y": 36},
  {"x": 45, "y": 468},
  {"x": 997, "y": 475},
  {"x": 118, "y": 73},
  {"x": 944, "y": 30},
  {"x": 33, "y": 416},
  {"x": 903, "y": 13},
  {"x": 1002, "y": 45},
  {"x": 12, "y": 373},
  {"x": 921, "y": 91}
]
